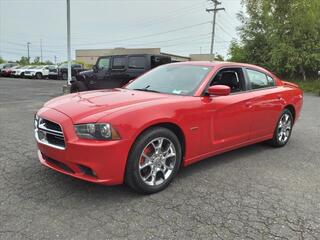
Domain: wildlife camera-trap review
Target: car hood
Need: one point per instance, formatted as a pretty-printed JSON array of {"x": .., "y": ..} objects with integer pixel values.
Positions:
[{"x": 92, "y": 105}]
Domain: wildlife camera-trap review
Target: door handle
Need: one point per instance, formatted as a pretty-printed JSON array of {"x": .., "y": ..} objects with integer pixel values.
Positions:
[
  {"x": 280, "y": 97},
  {"x": 248, "y": 104}
]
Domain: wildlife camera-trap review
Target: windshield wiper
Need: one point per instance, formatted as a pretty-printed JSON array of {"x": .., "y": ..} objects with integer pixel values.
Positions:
[{"x": 146, "y": 90}]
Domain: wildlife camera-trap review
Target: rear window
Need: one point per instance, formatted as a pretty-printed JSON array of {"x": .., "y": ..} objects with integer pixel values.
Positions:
[
  {"x": 137, "y": 62},
  {"x": 119, "y": 62}
]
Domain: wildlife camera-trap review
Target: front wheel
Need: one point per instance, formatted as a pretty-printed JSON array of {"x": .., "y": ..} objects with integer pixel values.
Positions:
[
  {"x": 282, "y": 132},
  {"x": 153, "y": 161}
]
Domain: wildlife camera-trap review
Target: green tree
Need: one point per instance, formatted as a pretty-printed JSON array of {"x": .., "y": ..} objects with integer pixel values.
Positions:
[
  {"x": 2, "y": 60},
  {"x": 281, "y": 35},
  {"x": 23, "y": 61},
  {"x": 36, "y": 61}
]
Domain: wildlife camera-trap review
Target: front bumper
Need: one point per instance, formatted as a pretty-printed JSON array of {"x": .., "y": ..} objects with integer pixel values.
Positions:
[{"x": 100, "y": 162}]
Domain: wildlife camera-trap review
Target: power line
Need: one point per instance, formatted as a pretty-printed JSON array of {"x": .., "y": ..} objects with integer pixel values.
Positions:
[{"x": 214, "y": 10}]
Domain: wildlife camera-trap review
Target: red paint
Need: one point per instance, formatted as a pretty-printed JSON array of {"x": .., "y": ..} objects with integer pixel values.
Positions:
[{"x": 210, "y": 124}]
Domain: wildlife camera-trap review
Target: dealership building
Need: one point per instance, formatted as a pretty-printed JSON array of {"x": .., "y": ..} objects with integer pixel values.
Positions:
[{"x": 90, "y": 56}]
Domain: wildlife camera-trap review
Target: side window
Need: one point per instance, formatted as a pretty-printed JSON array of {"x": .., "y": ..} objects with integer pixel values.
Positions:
[
  {"x": 232, "y": 77},
  {"x": 270, "y": 81},
  {"x": 103, "y": 63},
  {"x": 137, "y": 62},
  {"x": 119, "y": 63},
  {"x": 258, "y": 79}
]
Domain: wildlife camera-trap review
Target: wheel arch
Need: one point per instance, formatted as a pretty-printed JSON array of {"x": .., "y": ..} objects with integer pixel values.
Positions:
[
  {"x": 175, "y": 128},
  {"x": 292, "y": 109}
]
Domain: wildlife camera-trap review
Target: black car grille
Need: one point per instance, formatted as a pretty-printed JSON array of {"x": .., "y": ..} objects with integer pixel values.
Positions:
[{"x": 50, "y": 133}]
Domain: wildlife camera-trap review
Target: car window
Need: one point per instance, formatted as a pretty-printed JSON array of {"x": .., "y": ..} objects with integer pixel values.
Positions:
[
  {"x": 231, "y": 77},
  {"x": 104, "y": 63},
  {"x": 258, "y": 79},
  {"x": 137, "y": 62},
  {"x": 119, "y": 62},
  {"x": 270, "y": 81}
]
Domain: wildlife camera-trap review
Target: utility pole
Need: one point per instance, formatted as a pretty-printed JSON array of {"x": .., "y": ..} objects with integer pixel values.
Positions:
[
  {"x": 28, "y": 44},
  {"x": 68, "y": 43},
  {"x": 214, "y": 10},
  {"x": 55, "y": 59},
  {"x": 41, "y": 57}
]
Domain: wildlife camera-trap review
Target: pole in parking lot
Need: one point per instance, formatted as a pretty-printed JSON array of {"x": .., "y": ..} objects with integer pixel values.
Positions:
[
  {"x": 41, "y": 59},
  {"x": 214, "y": 10},
  {"x": 68, "y": 43},
  {"x": 28, "y": 44}
]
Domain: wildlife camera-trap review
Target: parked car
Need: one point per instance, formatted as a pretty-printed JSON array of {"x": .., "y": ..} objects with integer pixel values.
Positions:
[
  {"x": 116, "y": 71},
  {"x": 19, "y": 72},
  {"x": 7, "y": 65},
  {"x": 53, "y": 72},
  {"x": 37, "y": 72},
  {"x": 172, "y": 116},
  {"x": 75, "y": 69},
  {"x": 6, "y": 72}
]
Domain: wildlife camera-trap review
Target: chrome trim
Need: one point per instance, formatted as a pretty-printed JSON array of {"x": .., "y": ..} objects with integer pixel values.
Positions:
[
  {"x": 40, "y": 127},
  {"x": 46, "y": 142}
]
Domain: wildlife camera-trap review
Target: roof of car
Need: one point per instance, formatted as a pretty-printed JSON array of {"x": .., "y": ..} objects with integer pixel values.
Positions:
[{"x": 222, "y": 64}]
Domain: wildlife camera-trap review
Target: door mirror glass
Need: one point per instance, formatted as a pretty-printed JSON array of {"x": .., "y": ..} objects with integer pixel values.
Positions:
[{"x": 219, "y": 90}]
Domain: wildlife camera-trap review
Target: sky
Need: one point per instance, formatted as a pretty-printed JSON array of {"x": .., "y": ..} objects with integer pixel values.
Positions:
[{"x": 179, "y": 27}]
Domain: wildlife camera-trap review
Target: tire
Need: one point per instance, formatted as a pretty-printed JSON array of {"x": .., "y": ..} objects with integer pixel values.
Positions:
[
  {"x": 64, "y": 76},
  {"x": 283, "y": 130},
  {"x": 153, "y": 161},
  {"x": 21, "y": 75},
  {"x": 78, "y": 87},
  {"x": 38, "y": 75}
]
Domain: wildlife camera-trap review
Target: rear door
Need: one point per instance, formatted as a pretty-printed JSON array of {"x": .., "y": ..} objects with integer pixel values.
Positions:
[
  {"x": 137, "y": 65},
  {"x": 266, "y": 104}
]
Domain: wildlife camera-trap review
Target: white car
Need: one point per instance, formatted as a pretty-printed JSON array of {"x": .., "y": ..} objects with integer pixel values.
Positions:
[
  {"x": 37, "y": 72},
  {"x": 19, "y": 72}
]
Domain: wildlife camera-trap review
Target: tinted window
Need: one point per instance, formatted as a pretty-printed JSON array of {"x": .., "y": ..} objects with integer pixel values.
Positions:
[
  {"x": 171, "y": 79},
  {"x": 119, "y": 62},
  {"x": 258, "y": 79},
  {"x": 270, "y": 81},
  {"x": 104, "y": 63},
  {"x": 137, "y": 62}
]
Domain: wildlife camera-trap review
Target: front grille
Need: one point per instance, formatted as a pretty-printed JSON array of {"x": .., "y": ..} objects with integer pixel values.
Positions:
[{"x": 49, "y": 133}]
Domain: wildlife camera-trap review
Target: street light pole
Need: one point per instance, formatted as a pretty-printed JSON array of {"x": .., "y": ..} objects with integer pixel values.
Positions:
[
  {"x": 28, "y": 44},
  {"x": 68, "y": 43}
]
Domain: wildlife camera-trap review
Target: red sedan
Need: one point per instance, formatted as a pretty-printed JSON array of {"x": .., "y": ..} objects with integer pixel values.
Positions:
[{"x": 172, "y": 116}]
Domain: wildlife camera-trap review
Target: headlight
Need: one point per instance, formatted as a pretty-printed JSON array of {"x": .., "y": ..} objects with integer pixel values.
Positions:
[{"x": 98, "y": 131}]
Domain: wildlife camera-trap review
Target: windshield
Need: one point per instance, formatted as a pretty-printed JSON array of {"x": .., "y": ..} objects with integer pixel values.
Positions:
[{"x": 171, "y": 79}]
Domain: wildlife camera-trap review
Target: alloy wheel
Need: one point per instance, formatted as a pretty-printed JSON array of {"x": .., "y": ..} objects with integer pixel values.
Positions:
[
  {"x": 157, "y": 161},
  {"x": 284, "y": 128}
]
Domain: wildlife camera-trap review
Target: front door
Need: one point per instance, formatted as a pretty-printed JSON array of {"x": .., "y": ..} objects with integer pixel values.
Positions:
[
  {"x": 230, "y": 116},
  {"x": 102, "y": 73}
]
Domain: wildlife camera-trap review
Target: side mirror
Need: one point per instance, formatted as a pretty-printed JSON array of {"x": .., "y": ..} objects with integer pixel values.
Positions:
[
  {"x": 219, "y": 90},
  {"x": 94, "y": 68}
]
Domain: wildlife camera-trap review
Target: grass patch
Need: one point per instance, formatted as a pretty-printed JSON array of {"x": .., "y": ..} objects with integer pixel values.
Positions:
[{"x": 309, "y": 86}]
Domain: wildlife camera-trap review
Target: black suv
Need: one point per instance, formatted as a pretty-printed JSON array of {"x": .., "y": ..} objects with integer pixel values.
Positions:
[
  {"x": 116, "y": 71},
  {"x": 62, "y": 72}
]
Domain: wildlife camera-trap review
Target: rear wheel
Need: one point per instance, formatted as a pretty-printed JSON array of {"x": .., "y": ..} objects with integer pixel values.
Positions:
[
  {"x": 38, "y": 75},
  {"x": 64, "y": 76},
  {"x": 282, "y": 132},
  {"x": 154, "y": 160}
]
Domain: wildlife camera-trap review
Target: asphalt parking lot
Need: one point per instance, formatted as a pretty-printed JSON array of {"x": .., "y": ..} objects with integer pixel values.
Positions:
[{"x": 256, "y": 192}]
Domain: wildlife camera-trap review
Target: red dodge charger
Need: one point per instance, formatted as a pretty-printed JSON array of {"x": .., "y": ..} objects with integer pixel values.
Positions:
[{"x": 172, "y": 116}]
